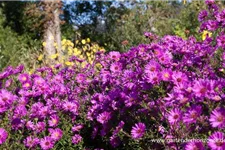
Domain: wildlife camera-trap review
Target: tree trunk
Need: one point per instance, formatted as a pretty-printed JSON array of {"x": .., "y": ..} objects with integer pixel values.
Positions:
[
  {"x": 57, "y": 31},
  {"x": 52, "y": 30},
  {"x": 49, "y": 48}
]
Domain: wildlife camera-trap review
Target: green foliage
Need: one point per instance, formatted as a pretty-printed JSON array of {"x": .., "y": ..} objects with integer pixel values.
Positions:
[
  {"x": 153, "y": 17},
  {"x": 187, "y": 20},
  {"x": 14, "y": 48},
  {"x": 161, "y": 18}
]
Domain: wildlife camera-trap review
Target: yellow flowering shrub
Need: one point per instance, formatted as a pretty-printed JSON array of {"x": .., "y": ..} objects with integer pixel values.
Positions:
[{"x": 82, "y": 49}]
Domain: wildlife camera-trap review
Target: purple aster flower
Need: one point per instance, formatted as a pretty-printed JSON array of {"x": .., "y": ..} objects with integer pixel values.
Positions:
[
  {"x": 39, "y": 127},
  {"x": 165, "y": 58},
  {"x": 212, "y": 25},
  {"x": 58, "y": 78},
  {"x": 53, "y": 121},
  {"x": 23, "y": 77},
  {"x": 47, "y": 143},
  {"x": 115, "y": 55},
  {"x": 214, "y": 9},
  {"x": 6, "y": 97},
  {"x": 17, "y": 123},
  {"x": 44, "y": 111},
  {"x": 209, "y": 2},
  {"x": 56, "y": 134},
  {"x": 201, "y": 88},
  {"x": 157, "y": 52},
  {"x": 35, "y": 108},
  {"x": 138, "y": 130},
  {"x": 115, "y": 141},
  {"x": 18, "y": 69},
  {"x": 77, "y": 128},
  {"x": 203, "y": 26},
  {"x": 202, "y": 15},
  {"x": 221, "y": 41},
  {"x": 27, "y": 85},
  {"x": 166, "y": 75},
  {"x": 80, "y": 78},
  {"x": 179, "y": 77},
  {"x": 220, "y": 17},
  {"x": 174, "y": 116},
  {"x": 71, "y": 106},
  {"x": 152, "y": 66},
  {"x": 104, "y": 117},
  {"x": 153, "y": 78},
  {"x": 30, "y": 125},
  {"x": 116, "y": 67},
  {"x": 3, "y": 107},
  {"x": 192, "y": 114},
  {"x": 31, "y": 142},
  {"x": 194, "y": 146},
  {"x": 118, "y": 128},
  {"x": 8, "y": 83},
  {"x": 76, "y": 139},
  {"x": 3, "y": 135},
  {"x": 216, "y": 141},
  {"x": 9, "y": 70},
  {"x": 4, "y": 75},
  {"x": 38, "y": 81},
  {"x": 217, "y": 118}
]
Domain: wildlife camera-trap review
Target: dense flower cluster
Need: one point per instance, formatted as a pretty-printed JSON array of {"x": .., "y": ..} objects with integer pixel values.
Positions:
[
  {"x": 169, "y": 89},
  {"x": 83, "y": 49}
]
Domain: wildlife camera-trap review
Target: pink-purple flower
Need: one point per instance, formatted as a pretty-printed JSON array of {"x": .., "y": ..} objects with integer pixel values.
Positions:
[
  {"x": 104, "y": 117},
  {"x": 76, "y": 139},
  {"x": 221, "y": 41},
  {"x": 53, "y": 120},
  {"x": 31, "y": 142},
  {"x": 47, "y": 143},
  {"x": 138, "y": 130},
  {"x": 115, "y": 55},
  {"x": 115, "y": 141},
  {"x": 217, "y": 141},
  {"x": 3, "y": 135},
  {"x": 116, "y": 67},
  {"x": 201, "y": 88},
  {"x": 23, "y": 78},
  {"x": 194, "y": 146},
  {"x": 175, "y": 116},
  {"x": 217, "y": 118},
  {"x": 56, "y": 134},
  {"x": 210, "y": 2},
  {"x": 80, "y": 78},
  {"x": 192, "y": 115},
  {"x": 202, "y": 15},
  {"x": 77, "y": 128}
]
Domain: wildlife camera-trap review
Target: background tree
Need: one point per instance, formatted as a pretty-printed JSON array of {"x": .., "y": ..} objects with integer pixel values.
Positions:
[
  {"x": 17, "y": 40},
  {"x": 52, "y": 32},
  {"x": 114, "y": 25}
]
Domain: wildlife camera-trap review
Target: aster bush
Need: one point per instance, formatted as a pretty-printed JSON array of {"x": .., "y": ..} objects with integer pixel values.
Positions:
[{"x": 149, "y": 97}]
